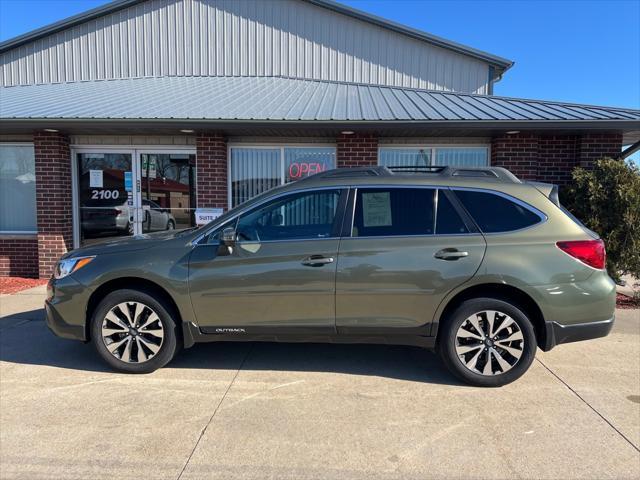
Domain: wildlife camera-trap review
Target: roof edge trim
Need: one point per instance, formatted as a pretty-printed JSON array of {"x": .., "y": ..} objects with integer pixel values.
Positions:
[
  {"x": 65, "y": 23},
  {"x": 611, "y": 124}
]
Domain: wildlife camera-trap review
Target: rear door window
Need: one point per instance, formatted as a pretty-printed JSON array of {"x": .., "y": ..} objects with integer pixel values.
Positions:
[
  {"x": 494, "y": 213},
  {"x": 394, "y": 212}
]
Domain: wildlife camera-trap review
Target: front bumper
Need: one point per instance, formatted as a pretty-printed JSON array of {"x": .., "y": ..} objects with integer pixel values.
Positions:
[
  {"x": 557, "y": 333},
  {"x": 60, "y": 327},
  {"x": 65, "y": 308}
]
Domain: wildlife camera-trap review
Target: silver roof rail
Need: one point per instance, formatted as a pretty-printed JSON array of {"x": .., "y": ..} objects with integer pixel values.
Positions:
[{"x": 488, "y": 173}]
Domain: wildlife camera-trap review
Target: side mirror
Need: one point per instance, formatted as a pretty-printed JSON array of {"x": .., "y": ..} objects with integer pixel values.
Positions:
[{"x": 229, "y": 236}]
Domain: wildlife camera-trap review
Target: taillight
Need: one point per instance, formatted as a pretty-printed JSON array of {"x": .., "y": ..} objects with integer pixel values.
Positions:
[{"x": 589, "y": 252}]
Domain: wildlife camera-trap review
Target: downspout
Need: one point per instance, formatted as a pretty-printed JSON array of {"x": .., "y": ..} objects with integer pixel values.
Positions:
[{"x": 491, "y": 80}]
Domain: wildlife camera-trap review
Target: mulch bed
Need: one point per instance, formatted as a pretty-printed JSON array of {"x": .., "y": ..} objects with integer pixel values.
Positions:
[
  {"x": 16, "y": 284},
  {"x": 624, "y": 302}
]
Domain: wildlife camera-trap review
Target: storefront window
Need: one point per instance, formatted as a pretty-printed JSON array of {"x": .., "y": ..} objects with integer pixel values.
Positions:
[
  {"x": 253, "y": 171},
  {"x": 462, "y": 157},
  {"x": 423, "y": 156},
  {"x": 405, "y": 157},
  {"x": 257, "y": 169},
  {"x": 17, "y": 189},
  {"x": 302, "y": 162}
]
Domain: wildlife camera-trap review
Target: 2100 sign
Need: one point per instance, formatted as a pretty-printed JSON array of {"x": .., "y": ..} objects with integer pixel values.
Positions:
[{"x": 105, "y": 194}]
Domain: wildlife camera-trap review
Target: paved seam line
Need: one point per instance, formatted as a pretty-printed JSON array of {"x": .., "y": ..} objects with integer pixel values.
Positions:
[
  {"x": 214, "y": 412},
  {"x": 588, "y": 405},
  {"x": 26, "y": 320}
]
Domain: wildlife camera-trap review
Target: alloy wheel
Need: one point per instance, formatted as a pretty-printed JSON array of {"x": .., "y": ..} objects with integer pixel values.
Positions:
[
  {"x": 132, "y": 332},
  {"x": 489, "y": 342}
]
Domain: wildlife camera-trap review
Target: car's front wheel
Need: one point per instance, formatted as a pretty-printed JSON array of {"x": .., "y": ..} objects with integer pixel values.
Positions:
[
  {"x": 134, "y": 332},
  {"x": 487, "y": 342}
]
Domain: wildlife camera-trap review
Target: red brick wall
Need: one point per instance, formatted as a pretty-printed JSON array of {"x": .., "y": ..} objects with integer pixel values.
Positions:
[
  {"x": 359, "y": 150},
  {"x": 211, "y": 170},
  {"x": 53, "y": 199},
  {"x": 594, "y": 146},
  {"x": 557, "y": 157},
  {"x": 551, "y": 158},
  {"x": 517, "y": 153},
  {"x": 19, "y": 257}
]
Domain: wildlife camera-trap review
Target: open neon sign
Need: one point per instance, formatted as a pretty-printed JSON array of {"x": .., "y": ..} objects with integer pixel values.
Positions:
[{"x": 303, "y": 169}]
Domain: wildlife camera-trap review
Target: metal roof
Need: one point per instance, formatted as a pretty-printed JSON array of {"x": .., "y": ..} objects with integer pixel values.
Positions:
[
  {"x": 502, "y": 63},
  {"x": 276, "y": 99}
]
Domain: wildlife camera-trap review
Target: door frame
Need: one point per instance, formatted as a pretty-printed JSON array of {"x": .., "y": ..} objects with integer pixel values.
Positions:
[{"x": 136, "y": 151}]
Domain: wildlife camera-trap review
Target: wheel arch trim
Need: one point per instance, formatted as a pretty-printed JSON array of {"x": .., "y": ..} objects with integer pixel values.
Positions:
[
  {"x": 133, "y": 283},
  {"x": 499, "y": 291}
]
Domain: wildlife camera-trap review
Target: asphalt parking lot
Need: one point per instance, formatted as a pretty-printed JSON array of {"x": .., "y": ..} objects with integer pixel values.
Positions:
[{"x": 299, "y": 411}]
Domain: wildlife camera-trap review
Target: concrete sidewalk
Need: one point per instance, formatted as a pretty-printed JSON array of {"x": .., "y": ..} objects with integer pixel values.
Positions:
[{"x": 311, "y": 411}]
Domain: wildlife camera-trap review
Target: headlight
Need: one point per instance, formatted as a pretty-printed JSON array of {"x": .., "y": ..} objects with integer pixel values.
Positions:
[{"x": 70, "y": 265}]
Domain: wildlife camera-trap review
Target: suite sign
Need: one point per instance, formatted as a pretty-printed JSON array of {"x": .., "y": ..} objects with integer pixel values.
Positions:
[{"x": 206, "y": 215}]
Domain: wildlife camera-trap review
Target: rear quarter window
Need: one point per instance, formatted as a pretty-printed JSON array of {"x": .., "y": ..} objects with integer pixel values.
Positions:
[{"x": 494, "y": 213}]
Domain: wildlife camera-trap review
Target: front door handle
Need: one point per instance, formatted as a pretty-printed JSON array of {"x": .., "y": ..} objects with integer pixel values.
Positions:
[
  {"x": 450, "y": 254},
  {"x": 316, "y": 261}
]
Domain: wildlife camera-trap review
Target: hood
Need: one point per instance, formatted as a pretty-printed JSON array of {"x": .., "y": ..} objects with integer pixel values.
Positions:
[{"x": 126, "y": 244}]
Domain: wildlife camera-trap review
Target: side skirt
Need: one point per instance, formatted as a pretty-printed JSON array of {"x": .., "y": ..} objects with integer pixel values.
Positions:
[{"x": 192, "y": 334}]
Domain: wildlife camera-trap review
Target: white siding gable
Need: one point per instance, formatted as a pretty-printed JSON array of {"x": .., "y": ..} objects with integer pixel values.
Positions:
[{"x": 289, "y": 38}]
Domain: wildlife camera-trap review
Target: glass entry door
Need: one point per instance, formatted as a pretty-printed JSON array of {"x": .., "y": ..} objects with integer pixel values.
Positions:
[
  {"x": 123, "y": 193},
  {"x": 167, "y": 193},
  {"x": 106, "y": 208}
]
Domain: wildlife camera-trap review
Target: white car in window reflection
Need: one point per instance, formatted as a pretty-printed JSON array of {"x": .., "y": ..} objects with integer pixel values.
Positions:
[
  {"x": 118, "y": 219},
  {"x": 154, "y": 218}
]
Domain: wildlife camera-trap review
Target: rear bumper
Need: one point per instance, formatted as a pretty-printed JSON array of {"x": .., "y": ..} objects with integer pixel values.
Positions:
[{"x": 557, "y": 333}]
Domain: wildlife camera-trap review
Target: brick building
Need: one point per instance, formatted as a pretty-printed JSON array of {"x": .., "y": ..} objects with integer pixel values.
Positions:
[{"x": 137, "y": 115}]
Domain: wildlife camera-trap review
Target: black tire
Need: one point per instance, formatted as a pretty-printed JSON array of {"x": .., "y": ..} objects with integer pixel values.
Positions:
[
  {"x": 171, "y": 225},
  {"x": 447, "y": 342},
  {"x": 170, "y": 343}
]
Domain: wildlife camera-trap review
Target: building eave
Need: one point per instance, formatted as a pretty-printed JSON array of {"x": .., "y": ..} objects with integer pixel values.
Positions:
[{"x": 172, "y": 126}]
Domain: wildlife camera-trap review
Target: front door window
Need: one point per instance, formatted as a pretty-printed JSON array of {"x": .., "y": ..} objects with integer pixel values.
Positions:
[{"x": 300, "y": 216}]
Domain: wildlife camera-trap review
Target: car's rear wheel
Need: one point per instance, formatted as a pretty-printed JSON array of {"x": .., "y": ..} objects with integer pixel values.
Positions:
[
  {"x": 134, "y": 332},
  {"x": 487, "y": 342}
]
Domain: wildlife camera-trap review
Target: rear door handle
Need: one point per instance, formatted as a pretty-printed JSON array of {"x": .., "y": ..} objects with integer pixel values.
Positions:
[
  {"x": 450, "y": 254},
  {"x": 316, "y": 261}
]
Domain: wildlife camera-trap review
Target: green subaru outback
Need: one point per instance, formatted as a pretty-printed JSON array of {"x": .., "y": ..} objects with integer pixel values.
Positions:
[{"x": 473, "y": 263}]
